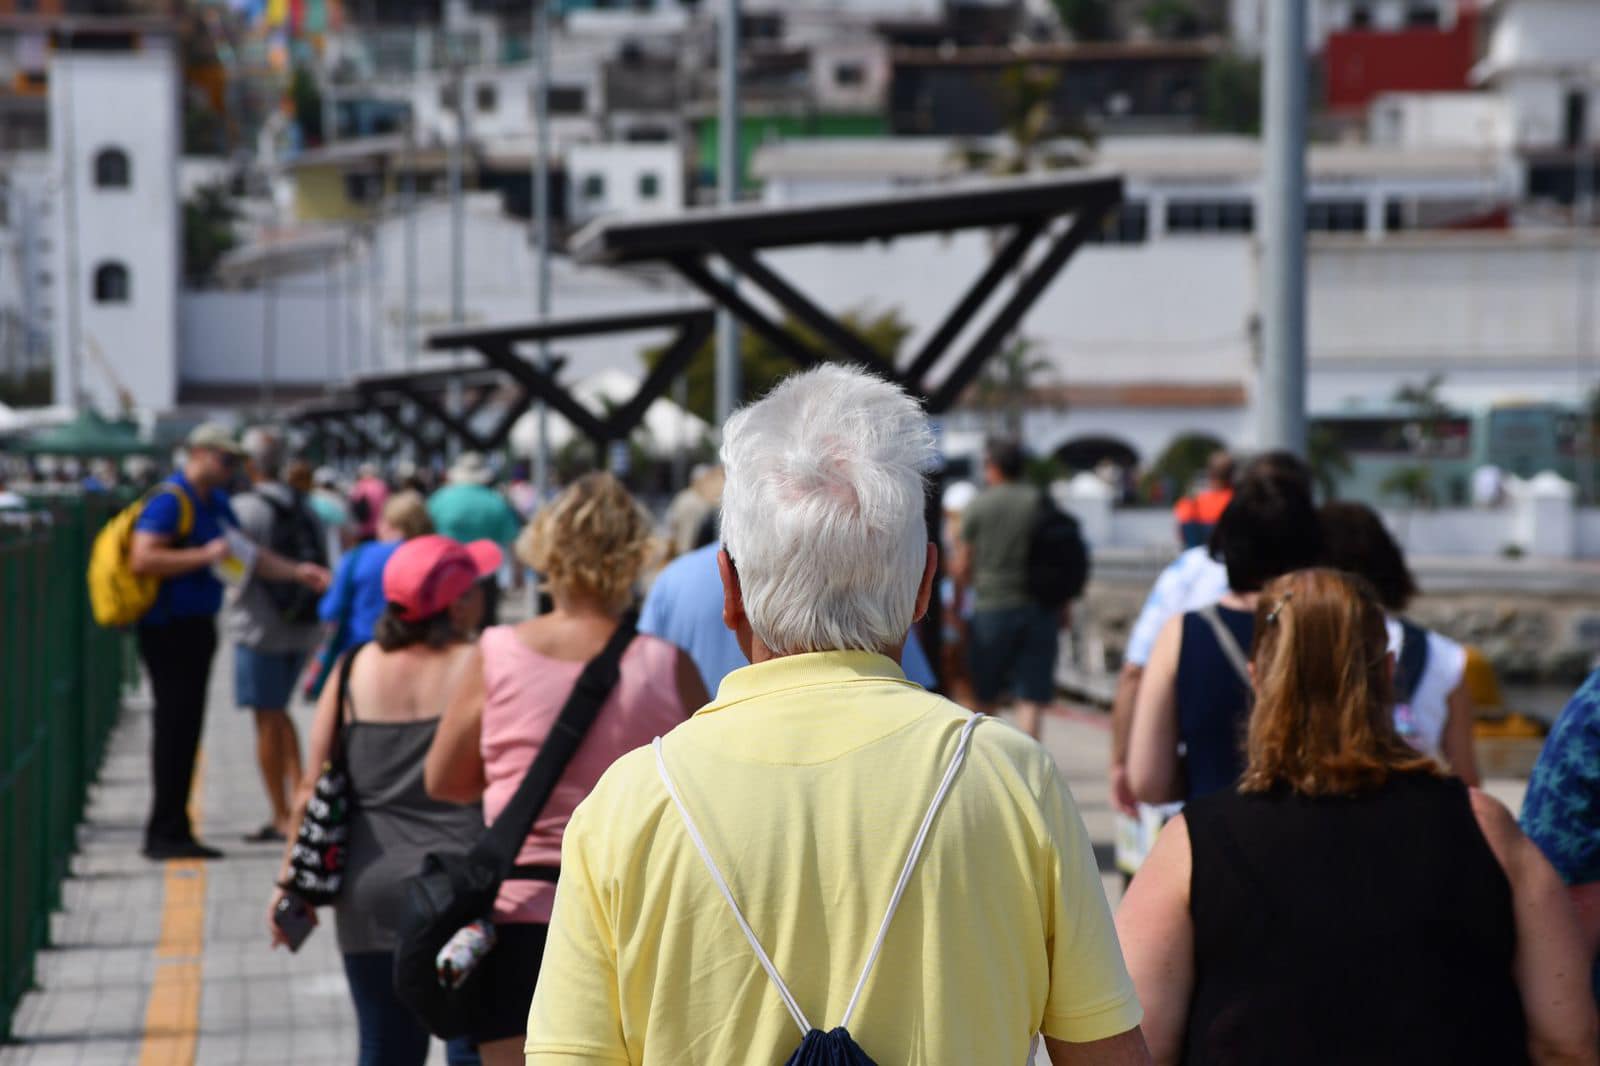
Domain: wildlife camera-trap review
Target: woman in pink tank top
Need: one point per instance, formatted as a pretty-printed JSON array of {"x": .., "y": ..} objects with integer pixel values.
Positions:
[{"x": 590, "y": 544}]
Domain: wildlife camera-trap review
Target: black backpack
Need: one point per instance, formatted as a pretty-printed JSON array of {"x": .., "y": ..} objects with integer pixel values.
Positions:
[
  {"x": 296, "y": 536},
  {"x": 1058, "y": 559},
  {"x": 454, "y": 890}
]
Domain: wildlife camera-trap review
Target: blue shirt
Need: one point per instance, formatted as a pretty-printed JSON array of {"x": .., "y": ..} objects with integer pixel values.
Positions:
[
  {"x": 1191, "y": 581},
  {"x": 198, "y": 593},
  {"x": 356, "y": 594},
  {"x": 1561, "y": 812},
  {"x": 684, "y": 607}
]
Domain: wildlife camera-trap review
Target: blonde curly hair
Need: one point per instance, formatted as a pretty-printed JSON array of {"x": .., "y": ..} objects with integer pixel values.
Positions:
[{"x": 594, "y": 539}]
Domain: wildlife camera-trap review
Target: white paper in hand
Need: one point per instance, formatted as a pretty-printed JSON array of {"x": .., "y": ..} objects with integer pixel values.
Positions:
[{"x": 241, "y": 560}]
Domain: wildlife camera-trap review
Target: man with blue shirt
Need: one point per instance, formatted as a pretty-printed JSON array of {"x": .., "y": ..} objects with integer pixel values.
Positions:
[
  {"x": 1561, "y": 812},
  {"x": 684, "y": 607},
  {"x": 178, "y": 637}
]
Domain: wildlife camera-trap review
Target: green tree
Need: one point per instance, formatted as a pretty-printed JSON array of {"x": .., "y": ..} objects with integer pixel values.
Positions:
[
  {"x": 764, "y": 365},
  {"x": 1177, "y": 467},
  {"x": 1007, "y": 382},
  {"x": 1086, "y": 20},
  {"x": 1422, "y": 397},
  {"x": 204, "y": 132},
  {"x": 29, "y": 388},
  {"x": 1173, "y": 19},
  {"x": 307, "y": 100},
  {"x": 1233, "y": 94},
  {"x": 1027, "y": 94},
  {"x": 208, "y": 231},
  {"x": 1412, "y": 485},
  {"x": 1329, "y": 462}
]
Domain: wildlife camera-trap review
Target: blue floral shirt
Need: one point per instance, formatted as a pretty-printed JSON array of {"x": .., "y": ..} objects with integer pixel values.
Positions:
[{"x": 1562, "y": 810}]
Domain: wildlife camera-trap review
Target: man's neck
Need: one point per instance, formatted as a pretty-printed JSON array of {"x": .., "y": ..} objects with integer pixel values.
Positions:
[
  {"x": 201, "y": 489},
  {"x": 760, "y": 653}
]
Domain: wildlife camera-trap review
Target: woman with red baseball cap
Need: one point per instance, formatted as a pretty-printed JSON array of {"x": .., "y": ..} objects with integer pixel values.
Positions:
[{"x": 398, "y": 685}]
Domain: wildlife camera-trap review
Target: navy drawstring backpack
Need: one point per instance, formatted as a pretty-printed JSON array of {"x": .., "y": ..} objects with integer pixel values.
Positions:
[{"x": 835, "y": 1047}]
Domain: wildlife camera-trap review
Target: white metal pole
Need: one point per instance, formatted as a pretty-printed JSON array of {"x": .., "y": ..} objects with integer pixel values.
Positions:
[
  {"x": 1584, "y": 244},
  {"x": 458, "y": 254},
  {"x": 1283, "y": 362},
  {"x": 71, "y": 360},
  {"x": 410, "y": 208},
  {"x": 541, "y": 221},
  {"x": 728, "y": 381}
]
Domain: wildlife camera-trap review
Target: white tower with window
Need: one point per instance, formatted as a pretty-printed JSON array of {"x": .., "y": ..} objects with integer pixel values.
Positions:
[{"x": 115, "y": 138}]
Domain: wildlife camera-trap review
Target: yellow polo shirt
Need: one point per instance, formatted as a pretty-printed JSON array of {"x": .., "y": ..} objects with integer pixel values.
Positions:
[{"x": 808, "y": 776}]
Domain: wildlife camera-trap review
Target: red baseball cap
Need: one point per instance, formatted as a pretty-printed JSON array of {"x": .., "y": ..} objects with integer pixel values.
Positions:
[{"x": 427, "y": 574}]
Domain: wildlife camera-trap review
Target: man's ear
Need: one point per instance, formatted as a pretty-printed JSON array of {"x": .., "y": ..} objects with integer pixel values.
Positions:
[
  {"x": 732, "y": 595},
  {"x": 930, "y": 573}
]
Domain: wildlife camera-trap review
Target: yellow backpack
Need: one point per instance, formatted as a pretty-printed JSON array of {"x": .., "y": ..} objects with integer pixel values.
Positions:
[{"x": 118, "y": 596}]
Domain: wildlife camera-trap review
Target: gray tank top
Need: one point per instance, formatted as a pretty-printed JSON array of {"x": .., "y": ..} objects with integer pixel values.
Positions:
[{"x": 394, "y": 825}]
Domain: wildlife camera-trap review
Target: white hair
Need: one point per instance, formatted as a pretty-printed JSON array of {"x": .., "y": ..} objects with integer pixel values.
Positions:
[{"x": 824, "y": 511}]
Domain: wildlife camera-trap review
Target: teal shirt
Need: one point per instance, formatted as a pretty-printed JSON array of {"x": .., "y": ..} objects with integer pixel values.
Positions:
[{"x": 474, "y": 512}]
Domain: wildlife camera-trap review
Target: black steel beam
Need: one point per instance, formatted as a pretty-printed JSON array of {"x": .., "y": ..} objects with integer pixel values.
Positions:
[
  {"x": 993, "y": 203},
  {"x": 696, "y": 273},
  {"x": 829, "y": 328},
  {"x": 403, "y": 426},
  {"x": 1007, "y": 318},
  {"x": 673, "y": 361},
  {"x": 502, "y": 356},
  {"x": 432, "y": 408},
  {"x": 961, "y": 314},
  {"x": 501, "y": 430},
  {"x": 566, "y": 328}
]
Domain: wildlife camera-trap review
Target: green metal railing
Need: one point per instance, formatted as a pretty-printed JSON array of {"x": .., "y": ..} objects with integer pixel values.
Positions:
[{"x": 61, "y": 680}]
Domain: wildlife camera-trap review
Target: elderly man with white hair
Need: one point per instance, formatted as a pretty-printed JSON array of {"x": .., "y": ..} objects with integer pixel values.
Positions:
[{"x": 898, "y": 867}]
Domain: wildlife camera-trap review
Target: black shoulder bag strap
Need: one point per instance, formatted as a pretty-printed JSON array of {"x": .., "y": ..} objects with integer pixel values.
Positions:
[
  {"x": 345, "y": 666},
  {"x": 1412, "y": 661},
  {"x": 499, "y": 845}
]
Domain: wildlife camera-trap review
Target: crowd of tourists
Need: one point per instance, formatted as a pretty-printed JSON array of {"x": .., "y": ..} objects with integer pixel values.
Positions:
[{"x": 709, "y": 802}]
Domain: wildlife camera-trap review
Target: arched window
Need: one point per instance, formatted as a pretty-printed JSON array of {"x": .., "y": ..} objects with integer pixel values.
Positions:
[
  {"x": 112, "y": 169},
  {"x": 111, "y": 284}
]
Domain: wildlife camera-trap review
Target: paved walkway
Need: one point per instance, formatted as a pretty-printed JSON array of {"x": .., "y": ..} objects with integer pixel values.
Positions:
[{"x": 168, "y": 965}]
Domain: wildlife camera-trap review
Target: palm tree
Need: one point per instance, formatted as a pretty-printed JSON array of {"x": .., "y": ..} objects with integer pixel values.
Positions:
[
  {"x": 1007, "y": 381},
  {"x": 1329, "y": 462}
]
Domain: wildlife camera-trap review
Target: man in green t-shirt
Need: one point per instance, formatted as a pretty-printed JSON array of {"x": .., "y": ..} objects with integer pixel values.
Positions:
[{"x": 1014, "y": 639}]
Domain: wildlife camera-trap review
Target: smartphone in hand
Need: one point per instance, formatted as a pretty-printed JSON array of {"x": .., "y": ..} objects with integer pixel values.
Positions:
[{"x": 294, "y": 920}]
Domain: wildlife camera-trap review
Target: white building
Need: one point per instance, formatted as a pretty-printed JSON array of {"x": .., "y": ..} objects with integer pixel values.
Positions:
[
  {"x": 1178, "y": 186},
  {"x": 1152, "y": 332},
  {"x": 114, "y": 147},
  {"x": 313, "y": 311},
  {"x": 499, "y": 103},
  {"x": 604, "y": 179},
  {"x": 1544, "y": 58},
  {"x": 1480, "y": 120},
  {"x": 27, "y": 284}
]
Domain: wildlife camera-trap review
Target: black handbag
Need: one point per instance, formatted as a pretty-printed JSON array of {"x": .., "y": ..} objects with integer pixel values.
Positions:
[
  {"x": 453, "y": 889},
  {"x": 321, "y": 845}
]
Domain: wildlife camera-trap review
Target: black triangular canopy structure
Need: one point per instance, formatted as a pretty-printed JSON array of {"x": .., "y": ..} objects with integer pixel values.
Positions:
[
  {"x": 1026, "y": 207},
  {"x": 412, "y": 405}
]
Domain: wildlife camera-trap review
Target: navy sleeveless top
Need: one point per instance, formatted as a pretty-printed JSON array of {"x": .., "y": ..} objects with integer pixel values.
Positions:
[
  {"x": 1213, "y": 703},
  {"x": 1373, "y": 929}
]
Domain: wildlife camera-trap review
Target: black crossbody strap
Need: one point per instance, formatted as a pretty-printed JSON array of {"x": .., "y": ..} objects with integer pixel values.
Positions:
[
  {"x": 499, "y": 846},
  {"x": 337, "y": 752}
]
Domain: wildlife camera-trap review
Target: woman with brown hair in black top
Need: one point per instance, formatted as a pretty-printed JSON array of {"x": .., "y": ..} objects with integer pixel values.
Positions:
[{"x": 1349, "y": 903}]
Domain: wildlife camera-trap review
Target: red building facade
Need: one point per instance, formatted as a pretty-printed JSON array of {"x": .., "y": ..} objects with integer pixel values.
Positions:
[{"x": 1360, "y": 63}]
